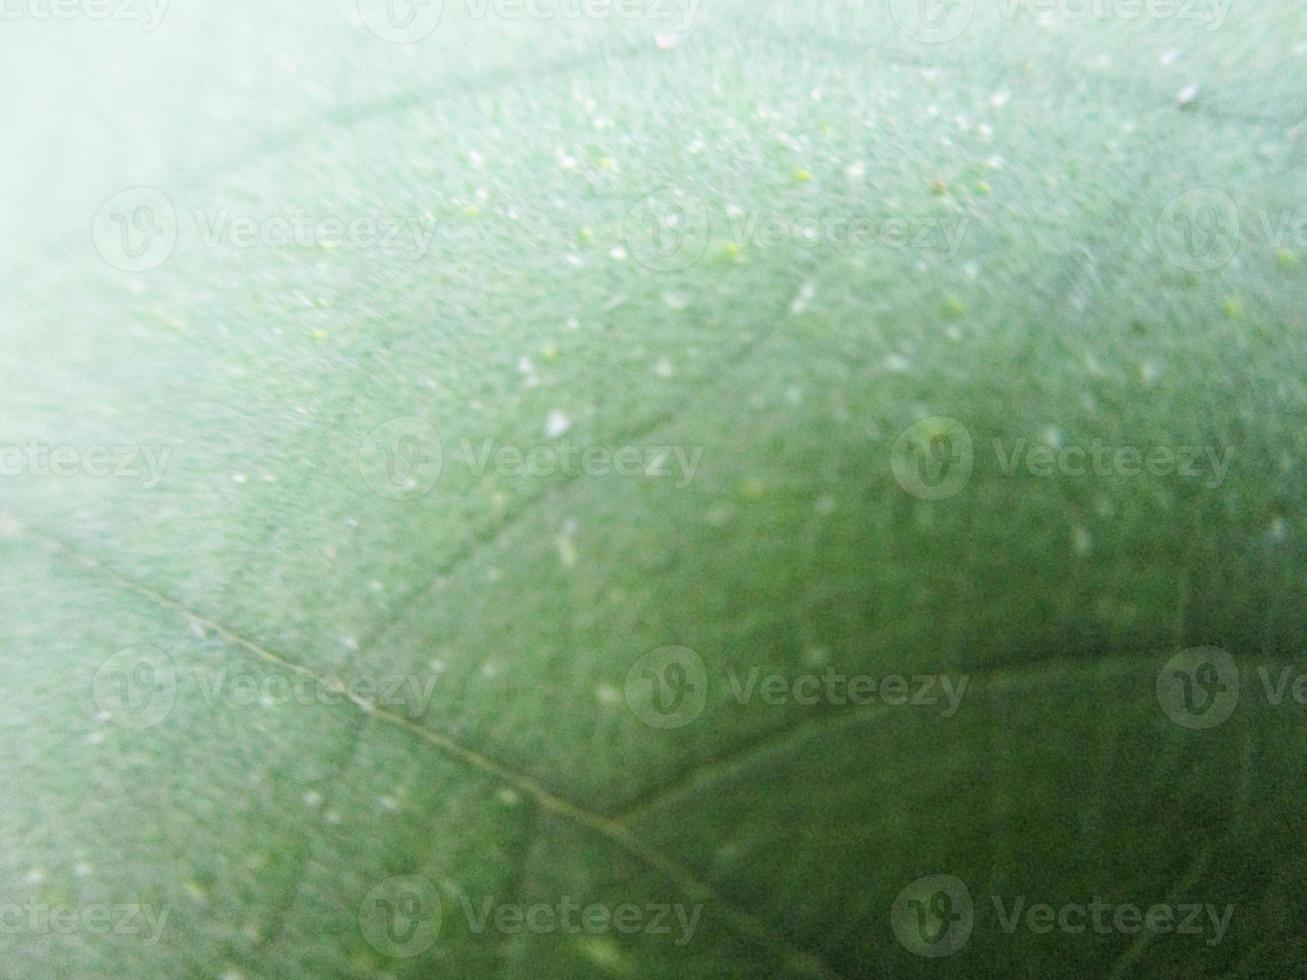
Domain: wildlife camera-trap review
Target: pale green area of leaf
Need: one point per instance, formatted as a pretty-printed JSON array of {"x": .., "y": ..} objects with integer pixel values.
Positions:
[{"x": 264, "y": 550}]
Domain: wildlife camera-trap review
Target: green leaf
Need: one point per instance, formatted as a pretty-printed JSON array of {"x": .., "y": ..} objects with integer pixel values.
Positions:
[{"x": 588, "y": 498}]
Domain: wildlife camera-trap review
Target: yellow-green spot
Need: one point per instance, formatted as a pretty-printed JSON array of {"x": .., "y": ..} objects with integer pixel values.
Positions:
[
  {"x": 982, "y": 187},
  {"x": 803, "y": 176},
  {"x": 586, "y": 234},
  {"x": 1232, "y": 307},
  {"x": 166, "y": 320},
  {"x": 731, "y": 250},
  {"x": 471, "y": 211},
  {"x": 1115, "y": 612},
  {"x": 607, "y": 163},
  {"x": 606, "y": 955},
  {"x": 56, "y": 896},
  {"x": 364, "y": 962},
  {"x": 954, "y": 306},
  {"x": 752, "y": 489},
  {"x": 1287, "y": 258},
  {"x": 549, "y": 353}
]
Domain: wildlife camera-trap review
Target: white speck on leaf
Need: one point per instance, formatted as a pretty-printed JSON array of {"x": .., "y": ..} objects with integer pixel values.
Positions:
[
  {"x": 802, "y": 301},
  {"x": 898, "y": 363},
  {"x": 1082, "y": 541},
  {"x": 557, "y": 424}
]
